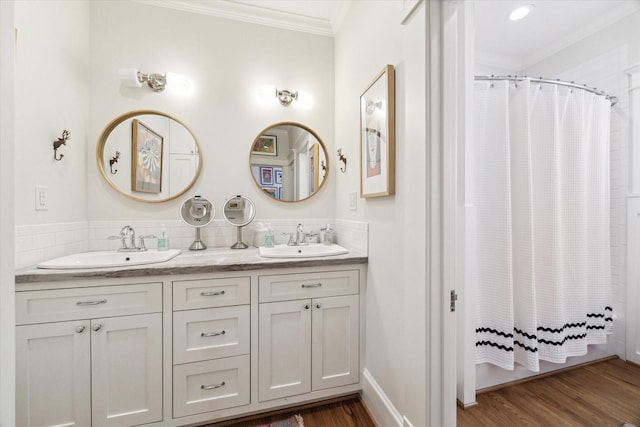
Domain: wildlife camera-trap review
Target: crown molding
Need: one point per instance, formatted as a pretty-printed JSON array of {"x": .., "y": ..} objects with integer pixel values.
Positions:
[{"x": 253, "y": 14}]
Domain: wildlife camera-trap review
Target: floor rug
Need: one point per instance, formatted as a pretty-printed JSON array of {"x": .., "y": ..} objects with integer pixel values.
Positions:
[{"x": 294, "y": 421}]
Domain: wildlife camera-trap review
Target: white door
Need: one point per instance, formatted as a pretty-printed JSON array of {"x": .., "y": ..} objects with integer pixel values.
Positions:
[
  {"x": 335, "y": 342},
  {"x": 126, "y": 366},
  {"x": 284, "y": 349},
  {"x": 53, "y": 374}
]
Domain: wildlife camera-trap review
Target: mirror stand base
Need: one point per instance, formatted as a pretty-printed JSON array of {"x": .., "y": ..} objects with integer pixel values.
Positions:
[
  {"x": 197, "y": 245},
  {"x": 239, "y": 245}
]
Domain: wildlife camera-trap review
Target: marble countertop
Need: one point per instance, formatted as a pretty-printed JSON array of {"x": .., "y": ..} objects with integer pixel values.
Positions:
[{"x": 188, "y": 262}]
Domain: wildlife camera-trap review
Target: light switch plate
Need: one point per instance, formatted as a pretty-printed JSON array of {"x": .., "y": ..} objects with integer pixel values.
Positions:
[
  {"x": 353, "y": 201},
  {"x": 42, "y": 198}
]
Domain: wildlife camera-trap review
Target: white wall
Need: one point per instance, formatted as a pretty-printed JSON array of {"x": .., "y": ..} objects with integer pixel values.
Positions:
[
  {"x": 370, "y": 37},
  {"x": 228, "y": 61},
  {"x": 7, "y": 285},
  {"x": 52, "y": 94}
]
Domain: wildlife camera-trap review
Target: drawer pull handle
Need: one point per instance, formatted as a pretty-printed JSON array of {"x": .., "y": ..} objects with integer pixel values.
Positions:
[
  {"x": 212, "y": 334},
  {"x": 312, "y": 285},
  {"x": 96, "y": 327},
  {"x": 80, "y": 329},
  {"x": 212, "y": 387},
  {"x": 97, "y": 302},
  {"x": 211, "y": 294}
]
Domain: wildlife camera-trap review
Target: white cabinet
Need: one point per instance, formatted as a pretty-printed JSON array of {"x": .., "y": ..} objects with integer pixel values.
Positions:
[
  {"x": 211, "y": 345},
  {"x": 126, "y": 370},
  {"x": 308, "y": 344},
  {"x": 185, "y": 349},
  {"x": 93, "y": 371},
  {"x": 53, "y": 374}
]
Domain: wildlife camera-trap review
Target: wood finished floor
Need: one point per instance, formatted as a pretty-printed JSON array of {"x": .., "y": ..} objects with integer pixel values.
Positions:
[
  {"x": 345, "y": 413},
  {"x": 599, "y": 395}
]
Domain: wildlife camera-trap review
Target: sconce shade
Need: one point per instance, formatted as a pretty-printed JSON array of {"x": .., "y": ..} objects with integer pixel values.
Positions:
[{"x": 129, "y": 77}]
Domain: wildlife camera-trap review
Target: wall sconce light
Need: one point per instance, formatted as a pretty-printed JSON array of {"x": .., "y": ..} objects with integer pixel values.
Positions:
[
  {"x": 60, "y": 142},
  {"x": 343, "y": 159},
  {"x": 285, "y": 97},
  {"x": 131, "y": 77},
  {"x": 269, "y": 95}
]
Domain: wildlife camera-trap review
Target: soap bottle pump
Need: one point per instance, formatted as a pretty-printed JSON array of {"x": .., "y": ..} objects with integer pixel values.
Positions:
[
  {"x": 269, "y": 237},
  {"x": 163, "y": 240}
]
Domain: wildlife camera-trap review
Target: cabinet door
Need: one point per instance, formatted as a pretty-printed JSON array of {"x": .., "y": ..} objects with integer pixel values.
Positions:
[
  {"x": 335, "y": 341},
  {"x": 53, "y": 374},
  {"x": 126, "y": 366},
  {"x": 284, "y": 349}
]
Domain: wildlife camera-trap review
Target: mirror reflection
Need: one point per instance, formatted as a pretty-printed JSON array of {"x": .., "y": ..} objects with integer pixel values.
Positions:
[
  {"x": 289, "y": 161},
  {"x": 148, "y": 156}
]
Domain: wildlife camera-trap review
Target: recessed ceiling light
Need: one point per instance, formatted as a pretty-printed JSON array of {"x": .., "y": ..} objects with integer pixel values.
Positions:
[{"x": 520, "y": 12}]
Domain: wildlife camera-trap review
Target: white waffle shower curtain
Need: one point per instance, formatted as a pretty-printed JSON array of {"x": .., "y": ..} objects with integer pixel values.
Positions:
[{"x": 541, "y": 185}]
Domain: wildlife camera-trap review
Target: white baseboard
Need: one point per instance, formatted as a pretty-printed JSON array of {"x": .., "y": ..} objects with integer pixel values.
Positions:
[{"x": 383, "y": 411}]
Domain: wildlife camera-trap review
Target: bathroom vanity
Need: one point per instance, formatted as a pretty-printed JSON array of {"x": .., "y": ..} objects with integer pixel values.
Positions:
[{"x": 200, "y": 338}]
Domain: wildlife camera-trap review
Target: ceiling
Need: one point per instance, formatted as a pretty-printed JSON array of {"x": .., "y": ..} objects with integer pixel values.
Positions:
[{"x": 553, "y": 24}]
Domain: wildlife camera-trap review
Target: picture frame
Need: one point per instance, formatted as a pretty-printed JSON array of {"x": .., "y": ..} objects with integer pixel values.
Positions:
[
  {"x": 313, "y": 155},
  {"x": 278, "y": 175},
  {"x": 377, "y": 136},
  {"x": 265, "y": 145},
  {"x": 271, "y": 191},
  {"x": 266, "y": 175},
  {"x": 146, "y": 158}
]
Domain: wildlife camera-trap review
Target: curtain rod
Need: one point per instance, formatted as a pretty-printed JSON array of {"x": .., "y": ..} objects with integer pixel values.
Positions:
[{"x": 611, "y": 98}]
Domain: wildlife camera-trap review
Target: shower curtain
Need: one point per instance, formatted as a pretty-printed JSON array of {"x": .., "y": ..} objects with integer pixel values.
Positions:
[{"x": 541, "y": 191}]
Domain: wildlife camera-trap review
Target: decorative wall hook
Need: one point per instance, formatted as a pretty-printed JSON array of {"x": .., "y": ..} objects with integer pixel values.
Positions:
[
  {"x": 59, "y": 142},
  {"x": 113, "y": 161},
  {"x": 342, "y": 159}
]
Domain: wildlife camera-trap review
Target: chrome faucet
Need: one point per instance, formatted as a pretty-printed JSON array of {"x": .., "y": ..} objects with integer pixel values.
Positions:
[
  {"x": 128, "y": 232},
  {"x": 127, "y": 239},
  {"x": 300, "y": 238}
]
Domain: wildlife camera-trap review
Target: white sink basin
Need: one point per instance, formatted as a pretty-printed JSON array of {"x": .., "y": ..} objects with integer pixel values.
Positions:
[
  {"x": 99, "y": 259},
  {"x": 285, "y": 251}
]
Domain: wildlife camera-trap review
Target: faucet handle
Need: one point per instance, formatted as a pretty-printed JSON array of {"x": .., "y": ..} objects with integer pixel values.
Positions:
[
  {"x": 141, "y": 245},
  {"x": 123, "y": 241}
]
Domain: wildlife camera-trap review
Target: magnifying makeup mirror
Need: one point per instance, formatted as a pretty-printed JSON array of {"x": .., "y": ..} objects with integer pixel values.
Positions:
[
  {"x": 197, "y": 212},
  {"x": 239, "y": 211}
]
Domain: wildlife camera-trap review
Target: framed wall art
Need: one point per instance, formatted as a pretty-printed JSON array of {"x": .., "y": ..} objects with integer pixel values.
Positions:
[
  {"x": 266, "y": 145},
  {"x": 266, "y": 175},
  {"x": 146, "y": 159},
  {"x": 377, "y": 136}
]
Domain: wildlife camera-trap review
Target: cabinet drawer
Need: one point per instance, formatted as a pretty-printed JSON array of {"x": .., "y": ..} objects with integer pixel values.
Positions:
[
  {"x": 307, "y": 285},
  {"x": 86, "y": 303},
  {"x": 211, "y": 385},
  {"x": 211, "y": 333},
  {"x": 206, "y": 293}
]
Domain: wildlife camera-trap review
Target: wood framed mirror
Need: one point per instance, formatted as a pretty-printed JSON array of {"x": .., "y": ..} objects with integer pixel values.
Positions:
[
  {"x": 289, "y": 162},
  {"x": 148, "y": 156}
]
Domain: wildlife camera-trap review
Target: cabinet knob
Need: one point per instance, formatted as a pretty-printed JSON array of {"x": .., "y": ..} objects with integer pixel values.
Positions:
[
  {"x": 318, "y": 306},
  {"x": 80, "y": 329},
  {"x": 306, "y": 307},
  {"x": 96, "y": 327}
]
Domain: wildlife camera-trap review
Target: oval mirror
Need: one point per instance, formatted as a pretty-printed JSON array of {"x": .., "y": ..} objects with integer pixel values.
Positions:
[
  {"x": 148, "y": 156},
  {"x": 289, "y": 162}
]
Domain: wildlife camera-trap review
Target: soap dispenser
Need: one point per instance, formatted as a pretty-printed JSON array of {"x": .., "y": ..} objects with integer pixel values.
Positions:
[
  {"x": 269, "y": 237},
  {"x": 163, "y": 240},
  {"x": 328, "y": 235}
]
